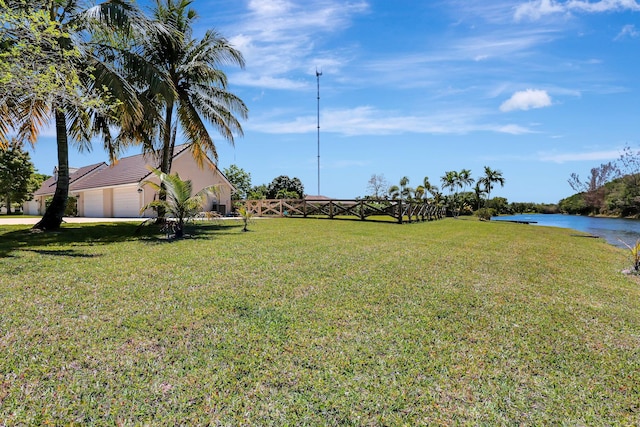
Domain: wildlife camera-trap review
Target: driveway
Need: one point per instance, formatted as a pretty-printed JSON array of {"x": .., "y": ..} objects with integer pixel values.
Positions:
[{"x": 71, "y": 220}]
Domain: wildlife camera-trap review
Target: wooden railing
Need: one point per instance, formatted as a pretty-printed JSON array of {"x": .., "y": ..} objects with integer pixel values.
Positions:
[{"x": 401, "y": 211}]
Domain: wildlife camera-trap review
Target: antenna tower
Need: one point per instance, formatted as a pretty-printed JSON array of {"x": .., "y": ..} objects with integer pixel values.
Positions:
[{"x": 318, "y": 74}]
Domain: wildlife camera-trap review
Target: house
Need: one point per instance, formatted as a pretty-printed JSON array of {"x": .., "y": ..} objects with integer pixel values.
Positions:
[{"x": 118, "y": 190}]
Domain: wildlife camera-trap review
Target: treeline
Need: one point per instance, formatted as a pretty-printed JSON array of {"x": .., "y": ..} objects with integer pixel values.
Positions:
[{"x": 611, "y": 189}]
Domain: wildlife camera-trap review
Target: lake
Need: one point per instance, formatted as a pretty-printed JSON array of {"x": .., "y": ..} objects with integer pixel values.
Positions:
[{"x": 610, "y": 229}]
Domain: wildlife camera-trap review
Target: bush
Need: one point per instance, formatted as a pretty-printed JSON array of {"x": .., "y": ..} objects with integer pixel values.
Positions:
[
  {"x": 72, "y": 205},
  {"x": 485, "y": 214}
]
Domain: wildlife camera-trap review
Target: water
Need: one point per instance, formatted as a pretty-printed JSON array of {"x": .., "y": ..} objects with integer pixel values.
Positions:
[{"x": 611, "y": 229}]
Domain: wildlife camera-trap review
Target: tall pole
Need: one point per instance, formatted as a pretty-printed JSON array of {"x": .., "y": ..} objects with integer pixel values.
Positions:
[{"x": 318, "y": 74}]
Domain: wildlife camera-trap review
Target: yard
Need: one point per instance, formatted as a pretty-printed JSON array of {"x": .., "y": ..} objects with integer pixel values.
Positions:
[{"x": 317, "y": 322}]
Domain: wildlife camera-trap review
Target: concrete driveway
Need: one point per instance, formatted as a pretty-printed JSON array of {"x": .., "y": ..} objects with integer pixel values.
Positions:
[{"x": 70, "y": 220}]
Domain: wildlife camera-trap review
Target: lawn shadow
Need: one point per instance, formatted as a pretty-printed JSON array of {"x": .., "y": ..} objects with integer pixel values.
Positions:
[{"x": 28, "y": 239}]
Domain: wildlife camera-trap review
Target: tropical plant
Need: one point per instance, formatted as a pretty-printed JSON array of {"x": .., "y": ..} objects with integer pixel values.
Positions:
[
  {"x": 478, "y": 192},
  {"x": 490, "y": 178},
  {"x": 635, "y": 254},
  {"x": 179, "y": 204},
  {"x": 246, "y": 216},
  {"x": 451, "y": 180},
  {"x": 404, "y": 181},
  {"x": 86, "y": 94},
  {"x": 196, "y": 92},
  {"x": 465, "y": 179},
  {"x": 393, "y": 192},
  {"x": 258, "y": 192}
]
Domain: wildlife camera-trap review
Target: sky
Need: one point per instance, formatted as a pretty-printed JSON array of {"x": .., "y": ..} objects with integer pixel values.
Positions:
[{"x": 536, "y": 89}]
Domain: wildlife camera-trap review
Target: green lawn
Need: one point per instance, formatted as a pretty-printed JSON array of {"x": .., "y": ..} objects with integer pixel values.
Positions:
[{"x": 317, "y": 322}]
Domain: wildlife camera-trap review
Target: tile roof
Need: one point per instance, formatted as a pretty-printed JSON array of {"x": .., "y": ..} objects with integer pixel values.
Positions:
[
  {"x": 75, "y": 175},
  {"x": 128, "y": 170}
]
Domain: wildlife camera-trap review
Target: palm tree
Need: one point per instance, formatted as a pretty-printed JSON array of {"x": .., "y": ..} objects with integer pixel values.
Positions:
[
  {"x": 491, "y": 177},
  {"x": 89, "y": 93},
  {"x": 451, "y": 180},
  {"x": 464, "y": 179},
  {"x": 180, "y": 204},
  {"x": 394, "y": 192},
  {"x": 202, "y": 94},
  {"x": 478, "y": 192},
  {"x": 404, "y": 181}
]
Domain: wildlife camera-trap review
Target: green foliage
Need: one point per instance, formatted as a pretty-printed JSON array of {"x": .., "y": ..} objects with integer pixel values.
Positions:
[
  {"x": 16, "y": 170},
  {"x": 240, "y": 179},
  {"x": 72, "y": 205},
  {"x": 574, "y": 205},
  {"x": 258, "y": 192},
  {"x": 246, "y": 216},
  {"x": 635, "y": 254},
  {"x": 485, "y": 214},
  {"x": 193, "y": 92},
  {"x": 284, "y": 187},
  {"x": 180, "y": 205},
  {"x": 500, "y": 205}
]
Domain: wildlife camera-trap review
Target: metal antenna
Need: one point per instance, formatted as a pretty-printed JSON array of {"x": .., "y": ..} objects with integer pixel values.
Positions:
[{"x": 318, "y": 74}]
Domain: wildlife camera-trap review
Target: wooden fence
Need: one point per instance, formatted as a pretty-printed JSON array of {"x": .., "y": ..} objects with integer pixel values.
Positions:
[{"x": 401, "y": 211}]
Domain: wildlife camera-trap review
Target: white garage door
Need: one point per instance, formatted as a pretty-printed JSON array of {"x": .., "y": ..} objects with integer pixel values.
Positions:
[
  {"x": 126, "y": 202},
  {"x": 93, "y": 204}
]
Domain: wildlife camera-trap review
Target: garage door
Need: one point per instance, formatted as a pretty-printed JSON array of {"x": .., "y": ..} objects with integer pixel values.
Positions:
[
  {"x": 93, "y": 204},
  {"x": 126, "y": 202}
]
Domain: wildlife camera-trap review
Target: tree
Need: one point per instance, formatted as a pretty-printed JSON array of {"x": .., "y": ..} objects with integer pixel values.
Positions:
[
  {"x": 201, "y": 94},
  {"x": 593, "y": 187},
  {"x": 284, "y": 187},
  {"x": 490, "y": 178},
  {"x": 180, "y": 204},
  {"x": 428, "y": 187},
  {"x": 404, "y": 181},
  {"x": 240, "y": 179},
  {"x": 394, "y": 192},
  {"x": 16, "y": 170},
  {"x": 258, "y": 192},
  {"x": 81, "y": 57},
  {"x": 451, "y": 180},
  {"x": 478, "y": 192},
  {"x": 465, "y": 179},
  {"x": 377, "y": 185}
]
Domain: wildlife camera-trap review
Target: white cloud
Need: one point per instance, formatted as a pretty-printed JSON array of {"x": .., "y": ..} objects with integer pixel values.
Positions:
[
  {"x": 579, "y": 157},
  {"x": 513, "y": 129},
  {"x": 278, "y": 37},
  {"x": 628, "y": 31},
  {"x": 527, "y": 99},
  {"x": 537, "y": 9},
  {"x": 367, "y": 120}
]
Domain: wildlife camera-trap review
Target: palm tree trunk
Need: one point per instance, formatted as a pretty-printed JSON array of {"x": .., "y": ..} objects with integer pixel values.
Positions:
[
  {"x": 167, "y": 146},
  {"x": 167, "y": 156},
  {"x": 52, "y": 217}
]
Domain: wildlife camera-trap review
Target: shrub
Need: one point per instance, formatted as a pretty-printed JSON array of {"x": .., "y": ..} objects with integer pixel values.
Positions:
[{"x": 485, "y": 214}]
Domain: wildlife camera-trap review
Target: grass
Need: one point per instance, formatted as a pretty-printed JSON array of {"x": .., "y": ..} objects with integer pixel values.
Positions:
[{"x": 317, "y": 322}]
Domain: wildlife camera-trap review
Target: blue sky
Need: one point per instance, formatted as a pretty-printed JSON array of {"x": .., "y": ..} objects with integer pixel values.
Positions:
[{"x": 537, "y": 89}]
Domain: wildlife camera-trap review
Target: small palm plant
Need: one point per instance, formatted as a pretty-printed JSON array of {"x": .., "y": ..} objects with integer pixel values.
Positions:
[
  {"x": 246, "y": 216},
  {"x": 635, "y": 255},
  {"x": 180, "y": 206}
]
